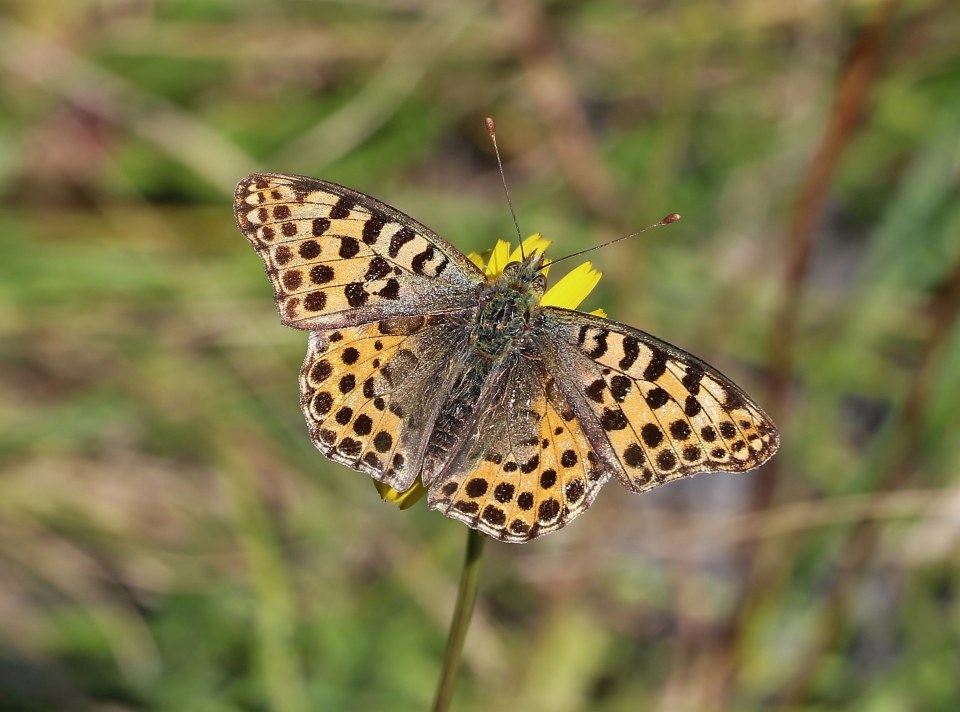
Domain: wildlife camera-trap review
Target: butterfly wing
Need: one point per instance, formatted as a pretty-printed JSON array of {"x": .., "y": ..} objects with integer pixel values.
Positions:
[
  {"x": 370, "y": 392},
  {"x": 384, "y": 297},
  {"x": 337, "y": 257},
  {"x": 528, "y": 468},
  {"x": 659, "y": 411}
]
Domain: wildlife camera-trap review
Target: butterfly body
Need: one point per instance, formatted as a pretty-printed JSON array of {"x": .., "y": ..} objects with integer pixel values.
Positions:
[
  {"x": 458, "y": 406},
  {"x": 511, "y": 413},
  {"x": 508, "y": 306}
]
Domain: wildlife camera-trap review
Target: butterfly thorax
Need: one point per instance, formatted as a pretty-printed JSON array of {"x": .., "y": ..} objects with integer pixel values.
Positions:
[{"x": 507, "y": 306}]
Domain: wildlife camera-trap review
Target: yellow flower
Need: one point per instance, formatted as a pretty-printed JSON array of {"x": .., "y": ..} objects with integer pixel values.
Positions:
[
  {"x": 404, "y": 500},
  {"x": 568, "y": 293}
]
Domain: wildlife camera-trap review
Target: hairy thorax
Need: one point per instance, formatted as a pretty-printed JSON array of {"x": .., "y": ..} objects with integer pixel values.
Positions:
[{"x": 507, "y": 306}]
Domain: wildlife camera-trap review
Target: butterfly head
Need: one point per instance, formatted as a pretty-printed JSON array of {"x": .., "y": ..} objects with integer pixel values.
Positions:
[{"x": 526, "y": 276}]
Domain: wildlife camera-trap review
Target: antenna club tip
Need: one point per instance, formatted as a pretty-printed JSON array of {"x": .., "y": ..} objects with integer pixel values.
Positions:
[
  {"x": 490, "y": 127},
  {"x": 671, "y": 218}
]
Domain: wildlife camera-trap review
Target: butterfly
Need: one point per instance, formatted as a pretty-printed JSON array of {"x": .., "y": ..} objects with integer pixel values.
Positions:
[{"x": 512, "y": 414}]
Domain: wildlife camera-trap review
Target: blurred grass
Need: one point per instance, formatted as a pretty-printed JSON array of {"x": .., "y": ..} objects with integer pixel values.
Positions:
[{"x": 169, "y": 540}]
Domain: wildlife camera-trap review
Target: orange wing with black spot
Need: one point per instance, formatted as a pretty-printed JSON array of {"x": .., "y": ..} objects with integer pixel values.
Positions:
[
  {"x": 529, "y": 469},
  {"x": 368, "y": 393},
  {"x": 659, "y": 411},
  {"x": 337, "y": 257}
]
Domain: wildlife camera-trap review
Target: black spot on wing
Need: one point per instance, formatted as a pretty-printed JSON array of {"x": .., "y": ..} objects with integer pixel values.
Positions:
[
  {"x": 503, "y": 492},
  {"x": 666, "y": 460},
  {"x": 356, "y": 294},
  {"x": 613, "y": 419},
  {"x": 391, "y": 290},
  {"x": 657, "y": 365},
  {"x": 477, "y": 487},
  {"x": 620, "y": 386},
  {"x": 342, "y": 208},
  {"x": 631, "y": 350},
  {"x": 657, "y": 398},
  {"x": 601, "y": 345},
  {"x": 373, "y": 226},
  {"x": 651, "y": 434},
  {"x": 399, "y": 239},
  {"x": 633, "y": 455},
  {"x": 494, "y": 515},
  {"x": 582, "y": 336},
  {"x": 419, "y": 262},
  {"x": 349, "y": 247},
  {"x": 309, "y": 249},
  {"x": 595, "y": 390},
  {"x": 691, "y": 379},
  {"x": 377, "y": 269},
  {"x": 574, "y": 491}
]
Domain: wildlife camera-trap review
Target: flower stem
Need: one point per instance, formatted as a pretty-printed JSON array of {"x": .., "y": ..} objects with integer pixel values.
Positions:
[{"x": 466, "y": 597}]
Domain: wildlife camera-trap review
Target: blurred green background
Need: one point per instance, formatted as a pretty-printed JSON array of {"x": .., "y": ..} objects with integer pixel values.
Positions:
[{"x": 170, "y": 540}]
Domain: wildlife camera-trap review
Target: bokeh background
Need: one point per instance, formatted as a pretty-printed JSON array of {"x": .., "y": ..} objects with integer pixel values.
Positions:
[{"x": 170, "y": 540}]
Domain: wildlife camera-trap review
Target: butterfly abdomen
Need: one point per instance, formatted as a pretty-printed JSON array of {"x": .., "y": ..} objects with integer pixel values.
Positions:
[{"x": 457, "y": 410}]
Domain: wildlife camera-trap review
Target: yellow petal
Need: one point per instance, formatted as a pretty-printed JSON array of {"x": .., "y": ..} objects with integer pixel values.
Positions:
[
  {"x": 599, "y": 312},
  {"x": 573, "y": 288},
  {"x": 534, "y": 243},
  {"x": 493, "y": 261},
  {"x": 404, "y": 500},
  {"x": 499, "y": 258}
]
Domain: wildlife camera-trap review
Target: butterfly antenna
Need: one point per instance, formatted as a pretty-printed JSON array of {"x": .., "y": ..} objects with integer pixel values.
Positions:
[
  {"x": 671, "y": 218},
  {"x": 491, "y": 129}
]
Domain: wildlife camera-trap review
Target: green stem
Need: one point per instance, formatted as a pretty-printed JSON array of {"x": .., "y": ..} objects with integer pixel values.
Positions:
[{"x": 466, "y": 597}]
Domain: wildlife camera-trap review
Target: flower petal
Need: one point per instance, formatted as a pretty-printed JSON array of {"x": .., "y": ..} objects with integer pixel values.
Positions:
[
  {"x": 499, "y": 258},
  {"x": 535, "y": 243},
  {"x": 573, "y": 288},
  {"x": 404, "y": 500}
]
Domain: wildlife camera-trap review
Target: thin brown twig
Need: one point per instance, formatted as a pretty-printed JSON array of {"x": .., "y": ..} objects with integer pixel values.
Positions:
[
  {"x": 402, "y": 71},
  {"x": 182, "y": 135},
  {"x": 857, "y": 550},
  {"x": 851, "y": 97},
  {"x": 853, "y": 90},
  {"x": 558, "y": 105}
]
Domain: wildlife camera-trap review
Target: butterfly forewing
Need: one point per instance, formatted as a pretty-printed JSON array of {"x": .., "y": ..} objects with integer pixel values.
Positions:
[
  {"x": 337, "y": 257},
  {"x": 664, "y": 413}
]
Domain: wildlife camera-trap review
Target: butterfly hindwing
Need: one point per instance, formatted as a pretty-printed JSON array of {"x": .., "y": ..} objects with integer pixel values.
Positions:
[
  {"x": 337, "y": 257},
  {"x": 366, "y": 392},
  {"x": 664, "y": 413},
  {"x": 529, "y": 468}
]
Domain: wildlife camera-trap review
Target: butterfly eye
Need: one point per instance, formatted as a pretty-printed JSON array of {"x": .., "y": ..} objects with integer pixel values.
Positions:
[{"x": 540, "y": 282}]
